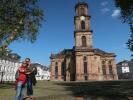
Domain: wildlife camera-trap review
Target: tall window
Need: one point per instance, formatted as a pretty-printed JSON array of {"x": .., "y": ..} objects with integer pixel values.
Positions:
[
  {"x": 103, "y": 68},
  {"x": 110, "y": 68},
  {"x": 83, "y": 41},
  {"x": 83, "y": 25},
  {"x": 85, "y": 67},
  {"x": 56, "y": 70}
]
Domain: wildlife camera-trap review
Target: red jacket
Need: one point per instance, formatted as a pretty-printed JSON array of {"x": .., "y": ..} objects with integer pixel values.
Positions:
[{"x": 22, "y": 75}]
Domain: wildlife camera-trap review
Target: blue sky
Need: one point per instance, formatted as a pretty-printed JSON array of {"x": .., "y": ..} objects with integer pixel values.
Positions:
[{"x": 57, "y": 31}]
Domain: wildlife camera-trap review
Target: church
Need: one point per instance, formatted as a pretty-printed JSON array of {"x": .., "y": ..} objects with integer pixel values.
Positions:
[{"x": 83, "y": 62}]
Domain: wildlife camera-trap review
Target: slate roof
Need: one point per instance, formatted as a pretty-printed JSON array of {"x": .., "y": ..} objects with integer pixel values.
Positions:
[
  {"x": 62, "y": 53},
  {"x": 71, "y": 51},
  {"x": 104, "y": 53}
]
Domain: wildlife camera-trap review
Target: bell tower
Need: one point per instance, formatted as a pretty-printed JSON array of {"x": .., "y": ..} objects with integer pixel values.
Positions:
[{"x": 83, "y": 33}]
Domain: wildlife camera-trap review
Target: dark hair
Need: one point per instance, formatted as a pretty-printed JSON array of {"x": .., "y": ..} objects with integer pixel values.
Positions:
[{"x": 27, "y": 59}]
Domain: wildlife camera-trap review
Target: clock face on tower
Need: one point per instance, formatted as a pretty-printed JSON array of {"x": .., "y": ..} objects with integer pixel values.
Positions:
[{"x": 82, "y": 17}]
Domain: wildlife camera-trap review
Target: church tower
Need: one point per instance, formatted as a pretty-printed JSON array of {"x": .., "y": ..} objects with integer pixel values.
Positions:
[
  {"x": 83, "y": 62},
  {"x": 83, "y": 33},
  {"x": 83, "y": 41}
]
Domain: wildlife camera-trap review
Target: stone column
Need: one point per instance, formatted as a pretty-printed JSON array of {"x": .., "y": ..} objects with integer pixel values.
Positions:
[
  {"x": 52, "y": 76},
  {"x": 114, "y": 70},
  {"x": 59, "y": 71},
  {"x": 107, "y": 70}
]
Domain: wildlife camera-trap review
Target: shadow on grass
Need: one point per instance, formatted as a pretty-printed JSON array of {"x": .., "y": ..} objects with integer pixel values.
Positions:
[
  {"x": 7, "y": 85},
  {"x": 110, "y": 89}
]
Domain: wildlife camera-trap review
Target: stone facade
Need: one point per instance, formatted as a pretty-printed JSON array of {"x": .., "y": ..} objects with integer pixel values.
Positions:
[{"x": 83, "y": 62}]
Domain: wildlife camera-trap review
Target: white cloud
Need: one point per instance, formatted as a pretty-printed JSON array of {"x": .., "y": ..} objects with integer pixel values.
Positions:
[
  {"x": 116, "y": 13},
  {"x": 105, "y": 10},
  {"x": 104, "y": 3}
]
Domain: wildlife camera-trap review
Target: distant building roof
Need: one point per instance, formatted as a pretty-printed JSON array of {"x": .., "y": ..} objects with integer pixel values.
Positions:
[
  {"x": 124, "y": 61},
  {"x": 39, "y": 65}
]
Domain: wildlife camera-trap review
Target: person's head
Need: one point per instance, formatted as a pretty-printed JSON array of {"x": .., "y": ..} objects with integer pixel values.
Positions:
[
  {"x": 24, "y": 64},
  {"x": 27, "y": 60}
]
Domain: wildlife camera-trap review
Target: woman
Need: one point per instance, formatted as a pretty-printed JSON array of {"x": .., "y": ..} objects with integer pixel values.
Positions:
[{"x": 21, "y": 81}]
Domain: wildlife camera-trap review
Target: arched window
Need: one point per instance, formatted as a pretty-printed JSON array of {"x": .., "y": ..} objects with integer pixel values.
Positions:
[
  {"x": 83, "y": 25},
  {"x": 110, "y": 68},
  {"x": 56, "y": 70},
  {"x": 83, "y": 41},
  {"x": 104, "y": 69},
  {"x": 85, "y": 67}
]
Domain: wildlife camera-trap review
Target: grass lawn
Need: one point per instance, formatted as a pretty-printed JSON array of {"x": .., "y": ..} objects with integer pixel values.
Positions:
[{"x": 65, "y": 90}]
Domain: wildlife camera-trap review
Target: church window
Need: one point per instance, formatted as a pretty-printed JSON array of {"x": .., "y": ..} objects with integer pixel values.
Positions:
[
  {"x": 83, "y": 25},
  {"x": 85, "y": 65},
  {"x": 83, "y": 41},
  {"x": 104, "y": 69},
  {"x": 110, "y": 68}
]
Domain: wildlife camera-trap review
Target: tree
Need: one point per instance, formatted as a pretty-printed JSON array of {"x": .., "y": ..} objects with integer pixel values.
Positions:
[
  {"x": 19, "y": 20},
  {"x": 126, "y": 7}
]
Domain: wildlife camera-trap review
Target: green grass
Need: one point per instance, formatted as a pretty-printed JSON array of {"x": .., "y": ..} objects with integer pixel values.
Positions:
[{"x": 65, "y": 90}]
